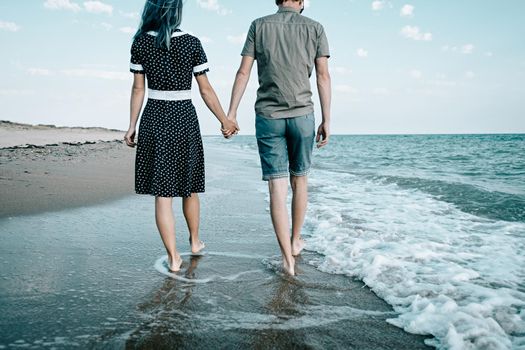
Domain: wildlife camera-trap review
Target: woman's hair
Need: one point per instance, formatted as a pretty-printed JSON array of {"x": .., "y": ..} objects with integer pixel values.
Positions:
[{"x": 163, "y": 17}]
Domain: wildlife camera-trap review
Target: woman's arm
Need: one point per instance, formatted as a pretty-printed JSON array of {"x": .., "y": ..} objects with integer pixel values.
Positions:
[
  {"x": 137, "y": 99},
  {"x": 209, "y": 97}
]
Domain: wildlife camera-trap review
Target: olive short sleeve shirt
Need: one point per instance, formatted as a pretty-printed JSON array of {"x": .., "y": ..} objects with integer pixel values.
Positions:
[{"x": 285, "y": 46}]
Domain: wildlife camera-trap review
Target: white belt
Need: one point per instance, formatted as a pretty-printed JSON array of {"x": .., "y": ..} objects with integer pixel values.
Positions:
[{"x": 169, "y": 95}]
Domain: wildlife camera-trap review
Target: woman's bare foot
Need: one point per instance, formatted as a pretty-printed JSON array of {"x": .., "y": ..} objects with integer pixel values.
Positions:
[
  {"x": 289, "y": 266},
  {"x": 197, "y": 246},
  {"x": 297, "y": 246},
  {"x": 174, "y": 264}
]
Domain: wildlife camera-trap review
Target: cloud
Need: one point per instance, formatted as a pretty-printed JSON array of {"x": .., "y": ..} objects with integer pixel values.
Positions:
[
  {"x": 205, "y": 39},
  {"x": 362, "y": 53},
  {"x": 132, "y": 15},
  {"x": 381, "y": 91},
  {"x": 98, "y": 7},
  {"x": 16, "y": 92},
  {"x": 237, "y": 39},
  {"x": 106, "y": 26},
  {"x": 416, "y": 74},
  {"x": 378, "y": 5},
  {"x": 407, "y": 11},
  {"x": 470, "y": 75},
  {"x": 93, "y": 6},
  {"x": 414, "y": 33},
  {"x": 346, "y": 89},
  {"x": 489, "y": 54},
  {"x": 128, "y": 30},
  {"x": 213, "y": 5},
  {"x": 307, "y": 4},
  {"x": 342, "y": 70},
  {"x": 95, "y": 73},
  {"x": 9, "y": 26},
  {"x": 467, "y": 49},
  {"x": 39, "y": 71},
  {"x": 443, "y": 83},
  {"x": 62, "y": 5}
]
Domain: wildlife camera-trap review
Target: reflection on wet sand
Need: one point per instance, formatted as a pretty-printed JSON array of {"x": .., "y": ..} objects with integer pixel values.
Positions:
[
  {"x": 271, "y": 310},
  {"x": 170, "y": 301},
  {"x": 285, "y": 305}
]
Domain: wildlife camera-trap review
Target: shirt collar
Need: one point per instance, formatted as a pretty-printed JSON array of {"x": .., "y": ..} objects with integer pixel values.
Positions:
[
  {"x": 176, "y": 32},
  {"x": 287, "y": 9}
]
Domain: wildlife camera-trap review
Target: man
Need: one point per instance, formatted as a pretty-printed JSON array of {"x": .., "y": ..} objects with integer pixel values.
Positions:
[{"x": 286, "y": 46}]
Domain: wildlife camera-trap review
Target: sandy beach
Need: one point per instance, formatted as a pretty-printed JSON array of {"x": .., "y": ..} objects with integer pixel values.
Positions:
[
  {"x": 47, "y": 168},
  {"x": 83, "y": 264}
]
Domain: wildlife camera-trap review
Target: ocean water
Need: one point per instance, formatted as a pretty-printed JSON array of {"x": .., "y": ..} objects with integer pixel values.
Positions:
[{"x": 433, "y": 224}]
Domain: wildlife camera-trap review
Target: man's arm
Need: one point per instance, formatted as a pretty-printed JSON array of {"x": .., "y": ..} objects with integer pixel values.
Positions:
[
  {"x": 239, "y": 86},
  {"x": 324, "y": 87},
  {"x": 209, "y": 97}
]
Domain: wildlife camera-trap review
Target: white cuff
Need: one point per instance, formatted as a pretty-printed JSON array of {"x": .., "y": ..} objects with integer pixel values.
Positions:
[
  {"x": 201, "y": 67},
  {"x": 136, "y": 67}
]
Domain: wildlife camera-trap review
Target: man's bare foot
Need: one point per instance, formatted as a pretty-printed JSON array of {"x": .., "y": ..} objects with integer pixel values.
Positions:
[
  {"x": 196, "y": 247},
  {"x": 289, "y": 266},
  {"x": 297, "y": 246},
  {"x": 174, "y": 264}
]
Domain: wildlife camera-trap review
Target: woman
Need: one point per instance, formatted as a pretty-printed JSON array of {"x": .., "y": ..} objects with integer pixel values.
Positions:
[{"x": 170, "y": 160}]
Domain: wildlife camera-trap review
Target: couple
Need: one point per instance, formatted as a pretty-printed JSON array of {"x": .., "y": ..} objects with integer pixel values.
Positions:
[{"x": 170, "y": 160}]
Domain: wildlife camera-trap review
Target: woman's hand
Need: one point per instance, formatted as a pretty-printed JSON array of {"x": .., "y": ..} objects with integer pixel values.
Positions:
[
  {"x": 130, "y": 138},
  {"x": 229, "y": 128}
]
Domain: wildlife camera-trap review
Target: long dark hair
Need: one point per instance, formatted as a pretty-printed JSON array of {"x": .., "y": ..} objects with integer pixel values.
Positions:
[{"x": 163, "y": 17}]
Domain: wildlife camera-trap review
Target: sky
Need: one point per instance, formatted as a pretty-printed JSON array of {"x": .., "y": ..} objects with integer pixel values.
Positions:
[{"x": 398, "y": 67}]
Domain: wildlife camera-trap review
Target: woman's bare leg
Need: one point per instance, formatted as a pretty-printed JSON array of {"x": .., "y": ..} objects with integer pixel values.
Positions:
[
  {"x": 166, "y": 226},
  {"x": 278, "y": 193},
  {"x": 191, "y": 209}
]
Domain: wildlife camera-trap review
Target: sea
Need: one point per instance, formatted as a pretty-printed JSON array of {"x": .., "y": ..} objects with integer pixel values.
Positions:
[{"x": 432, "y": 224}]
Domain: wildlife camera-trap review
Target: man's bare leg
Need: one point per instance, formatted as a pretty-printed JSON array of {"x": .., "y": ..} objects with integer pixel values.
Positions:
[
  {"x": 191, "y": 210},
  {"x": 299, "y": 204},
  {"x": 166, "y": 226},
  {"x": 278, "y": 192}
]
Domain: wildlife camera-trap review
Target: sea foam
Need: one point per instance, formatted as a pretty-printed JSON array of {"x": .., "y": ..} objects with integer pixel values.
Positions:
[{"x": 446, "y": 273}]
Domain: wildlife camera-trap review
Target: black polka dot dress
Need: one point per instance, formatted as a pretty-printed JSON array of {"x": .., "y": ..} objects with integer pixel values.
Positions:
[{"x": 170, "y": 158}]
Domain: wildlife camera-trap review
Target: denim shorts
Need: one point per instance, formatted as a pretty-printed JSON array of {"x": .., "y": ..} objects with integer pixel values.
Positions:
[{"x": 285, "y": 145}]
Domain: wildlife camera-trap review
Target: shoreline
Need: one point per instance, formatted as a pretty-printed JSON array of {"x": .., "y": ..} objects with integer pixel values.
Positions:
[
  {"x": 37, "y": 179},
  {"x": 16, "y": 135},
  {"x": 48, "y": 168}
]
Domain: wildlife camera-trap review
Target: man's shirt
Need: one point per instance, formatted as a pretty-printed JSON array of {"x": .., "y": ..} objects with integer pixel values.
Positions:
[{"x": 285, "y": 46}]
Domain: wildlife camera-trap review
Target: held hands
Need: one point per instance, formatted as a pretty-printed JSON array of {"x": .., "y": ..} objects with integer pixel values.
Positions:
[
  {"x": 230, "y": 127},
  {"x": 130, "y": 138},
  {"x": 323, "y": 134}
]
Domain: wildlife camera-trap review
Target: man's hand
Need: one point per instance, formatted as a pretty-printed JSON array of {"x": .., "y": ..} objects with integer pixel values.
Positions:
[
  {"x": 229, "y": 128},
  {"x": 323, "y": 135}
]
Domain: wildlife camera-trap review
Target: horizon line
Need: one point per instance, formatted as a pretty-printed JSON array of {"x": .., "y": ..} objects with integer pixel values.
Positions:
[{"x": 333, "y": 134}]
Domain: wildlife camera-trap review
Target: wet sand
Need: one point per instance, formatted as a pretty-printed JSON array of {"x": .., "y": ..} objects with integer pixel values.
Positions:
[
  {"x": 92, "y": 167},
  {"x": 94, "y": 276}
]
